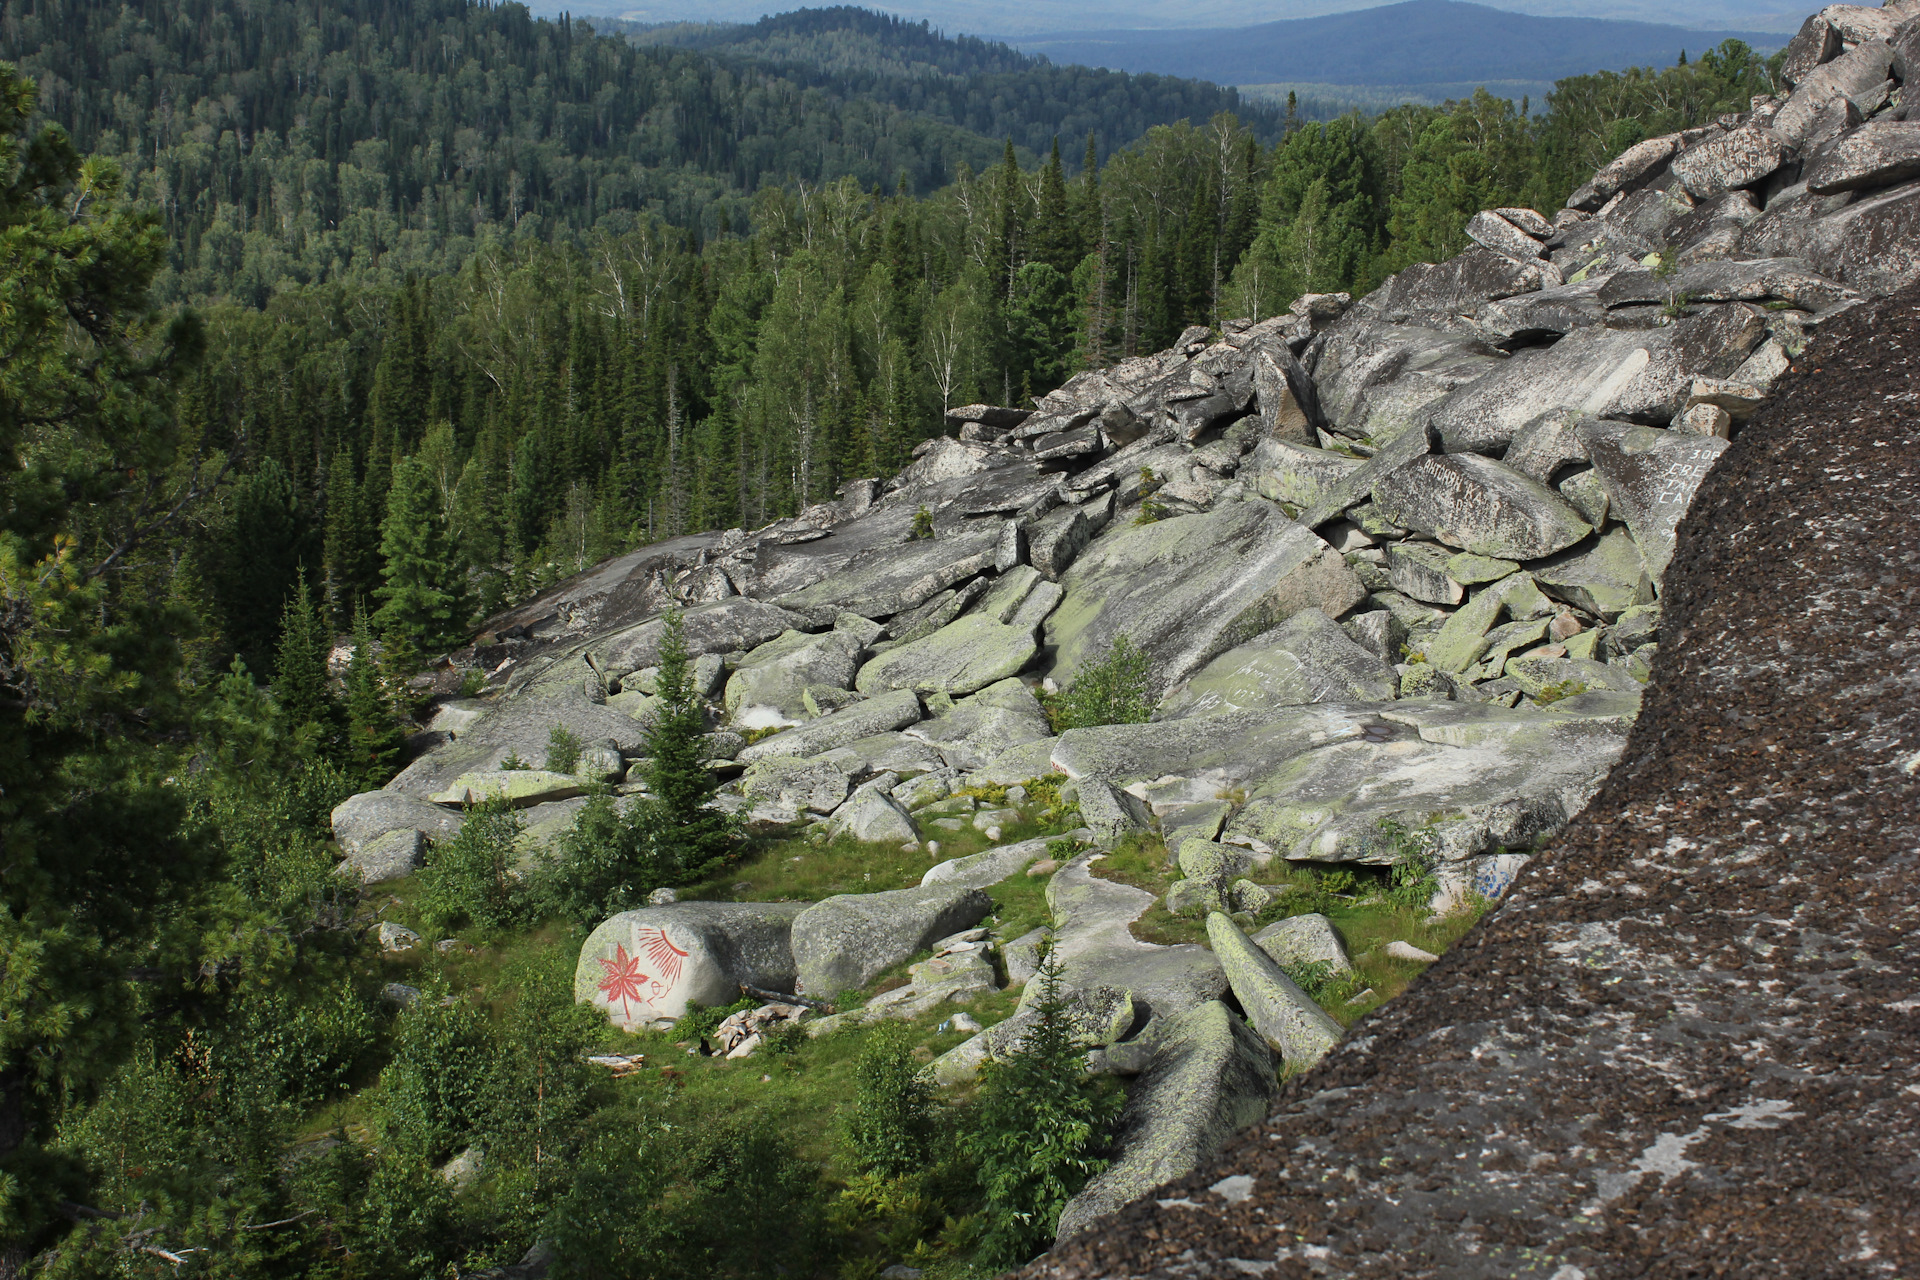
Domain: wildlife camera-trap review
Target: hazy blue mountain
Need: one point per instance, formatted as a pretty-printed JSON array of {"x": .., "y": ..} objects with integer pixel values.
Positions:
[
  {"x": 1416, "y": 43},
  {"x": 1027, "y": 18}
]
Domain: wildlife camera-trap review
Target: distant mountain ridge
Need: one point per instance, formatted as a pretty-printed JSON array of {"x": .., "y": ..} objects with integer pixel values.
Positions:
[{"x": 1413, "y": 43}]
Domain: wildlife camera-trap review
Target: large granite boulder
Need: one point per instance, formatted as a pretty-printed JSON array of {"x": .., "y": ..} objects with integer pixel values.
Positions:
[
  {"x": 1307, "y": 658},
  {"x": 721, "y": 627},
  {"x": 769, "y": 688},
  {"x": 1187, "y": 589},
  {"x": 849, "y": 940},
  {"x": 962, "y": 657},
  {"x": 1473, "y": 778},
  {"x": 1650, "y": 478},
  {"x": 1304, "y": 940},
  {"x": 985, "y": 725},
  {"x": 642, "y": 966},
  {"x": 876, "y": 715},
  {"x": 1095, "y": 946},
  {"x": 359, "y": 821},
  {"x": 1479, "y": 505},
  {"x": 1295, "y": 475}
]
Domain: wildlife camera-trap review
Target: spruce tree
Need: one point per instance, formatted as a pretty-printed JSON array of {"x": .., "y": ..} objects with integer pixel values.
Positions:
[
  {"x": 692, "y": 837},
  {"x": 301, "y": 687},
  {"x": 1056, "y": 237},
  {"x": 1035, "y": 1126},
  {"x": 373, "y": 735},
  {"x": 348, "y": 546},
  {"x": 424, "y": 605}
]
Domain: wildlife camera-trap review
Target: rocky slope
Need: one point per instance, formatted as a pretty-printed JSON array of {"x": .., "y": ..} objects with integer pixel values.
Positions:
[
  {"x": 1686, "y": 1043},
  {"x": 1397, "y": 565}
]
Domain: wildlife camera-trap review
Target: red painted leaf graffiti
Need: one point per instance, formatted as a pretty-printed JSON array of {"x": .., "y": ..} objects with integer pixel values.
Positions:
[{"x": 623, "y": 980}]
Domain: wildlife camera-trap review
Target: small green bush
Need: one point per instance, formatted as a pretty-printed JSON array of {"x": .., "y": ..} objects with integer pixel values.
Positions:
[
  {"x": 890, "y": 1129},
  {"x": 701, "y": 1021},
  {"x": 470, "y": 878},
  {"x": 513, "y": 762},
  {"x": 563, "y": 749},
  {"x": 922, "y": 524},
  {"x": 1112, "y": 690}
]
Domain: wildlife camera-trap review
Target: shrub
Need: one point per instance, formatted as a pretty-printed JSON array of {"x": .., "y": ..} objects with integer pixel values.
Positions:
[
  {"x": 470, "y": 878},
  {"x": 1111, "y": 690},
  {"x": 563, "y": 749},
  {"x": 890, "y": 1130},
  {"x": 674, "y": 1203},
  {"x": 1035, "y": 1130},
  {"x": 433, "y": 1088},
  {"x": 922, "y": 523},
  {"x": 607, "y": 862}
]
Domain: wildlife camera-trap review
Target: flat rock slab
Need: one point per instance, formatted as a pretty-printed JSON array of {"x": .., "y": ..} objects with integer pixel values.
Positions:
[
  {"x": 1650, "y": 478},
  {"x": 960, "y": 658},
  {"x": 978, "y": 870},
  {"x": 1297, "y": 475},
  {"x": 1096, "y": 948},
  {"x": 1186, "y": 590},
  {"x": 721, "y": 627},
  {"x": 643, "y": 965},
  {"x": 521, "y": 726},
  {"x": 1307, "y": 658},
  {"x": 1640, "y": 375},
  {"x": 1209, "y": 1078},
  {"x": 1221, "y": 752},
  {"x": 1517, "y": 777},
  {"x": 882, "y": 714},
  {"x": 1479, "y": 505},
  {"x": 521, "y": 788},
  {"x": 849, "y": 940},
  {"x": 1605, "y": 576}
]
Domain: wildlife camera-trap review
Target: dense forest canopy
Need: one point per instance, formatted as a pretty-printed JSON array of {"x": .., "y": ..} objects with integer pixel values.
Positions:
[{"x": 381, "y": 316}]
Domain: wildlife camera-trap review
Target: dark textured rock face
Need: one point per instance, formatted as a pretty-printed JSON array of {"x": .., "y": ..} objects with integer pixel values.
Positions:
[{"x": 1687, "y": 1043}]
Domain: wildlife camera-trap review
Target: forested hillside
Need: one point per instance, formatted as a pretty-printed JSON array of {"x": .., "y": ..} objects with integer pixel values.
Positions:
[
  {"x": 984, "y": 86},
  {"x": 378, "y": 317}
]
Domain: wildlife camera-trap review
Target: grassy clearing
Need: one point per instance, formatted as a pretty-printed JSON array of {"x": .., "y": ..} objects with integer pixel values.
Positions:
[{"x": 1355, "y": 899}]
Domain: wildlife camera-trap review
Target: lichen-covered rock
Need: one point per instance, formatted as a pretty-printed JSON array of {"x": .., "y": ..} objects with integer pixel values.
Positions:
[
  {"x": 769, "y": 687},
  {"x": 1419, "y": 570},
  {"x": 794, "y": 783},
  {"x": 1187, "y": 589},
  {"x": 1285, "y": 1016},
  {"x": 360, "y": 820},
  {"x": 883, "y": 713},
  {"x": 1650, "y": 477},
  {"x": 1307, "y": 658},
  {"x": 875, "y": 817},
  {"x": 962, "y": 657},
  {"x": 1110, "y": 813},
  {"x": 1208, "y": 1078},
  {"x": 1303, "y": 940},
  {"x": 977, "y": 871},
  {"x": 1730, "y": 160},
  {"x": 392, "y": 855},
  {"x": 641, "y": 966},
  {"x": 1479, "y": 505},
  {"x": 849, "y": 940},
  {"x": 1606, "y": 576},
  {"x": 1297, "y": 475},
  {"x": 521, "y": 788},
  {"x": 1213, "y": 863}
]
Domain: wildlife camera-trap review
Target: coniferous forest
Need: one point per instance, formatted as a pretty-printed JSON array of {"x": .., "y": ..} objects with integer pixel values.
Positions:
[{"x": 369, "y": 319}]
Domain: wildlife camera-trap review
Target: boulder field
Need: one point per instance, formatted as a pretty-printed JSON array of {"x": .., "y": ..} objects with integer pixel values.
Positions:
[{"x": 1401, "y": 564}]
